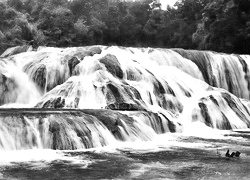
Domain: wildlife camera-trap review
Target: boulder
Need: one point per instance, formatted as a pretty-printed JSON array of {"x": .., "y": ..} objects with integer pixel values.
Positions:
[{"x": 16, "y": 50}]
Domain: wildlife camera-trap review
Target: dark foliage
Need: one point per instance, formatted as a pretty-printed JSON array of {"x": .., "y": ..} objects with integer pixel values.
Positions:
[{"x": 191, "y": 24}]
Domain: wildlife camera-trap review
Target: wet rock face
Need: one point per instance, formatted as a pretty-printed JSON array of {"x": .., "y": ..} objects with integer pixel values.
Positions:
[
  {"x": 114, "y": 93},
  {"x": 112, "y": 65},
  {"x": 8, "y": 90},
  {"x": 94, "y": 50},
  {"x": 40, "y": 76},
  {"x": 48, "y": 68},
  {"x": 226, "y": 123},
  {"x": 16, "y": 50},
  {"x": 72, "y": 64},
  {"x": 217, "y": 111},
  {"x": 123, "y": 97},
  {"x": 124, "y": 107},
  {"x": 112, "y": 120},
  {"x": 199, "y": 58},
  {"x": 171, "y": 104},
  {"x": 229, "y": 72},
  {"x": 134, "y": 74},
  {"x": 89, "y": 51},
  {"x": 54, "y": 103},
  {"x": 46, "y": 72},
  {"x": 61, "y": 138},
  {"x": 236, "y": 108},
  {"x": 205, "y": 114}
]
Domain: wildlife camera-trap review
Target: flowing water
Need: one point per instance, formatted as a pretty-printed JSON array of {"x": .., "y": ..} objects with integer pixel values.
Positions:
[
  {"x": 124, "y": 113},
  {"x": 166, "y": 157}
]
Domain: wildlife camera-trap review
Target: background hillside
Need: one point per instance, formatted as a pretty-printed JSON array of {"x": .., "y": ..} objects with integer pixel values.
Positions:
[{"x": 222, "y": 26}]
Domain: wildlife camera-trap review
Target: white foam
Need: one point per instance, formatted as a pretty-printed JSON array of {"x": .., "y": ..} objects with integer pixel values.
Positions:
[{"x": 41, "y": 158}]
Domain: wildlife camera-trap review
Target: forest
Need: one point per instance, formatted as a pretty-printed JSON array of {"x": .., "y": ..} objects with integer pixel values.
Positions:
[{"x": 221, "y": 25}]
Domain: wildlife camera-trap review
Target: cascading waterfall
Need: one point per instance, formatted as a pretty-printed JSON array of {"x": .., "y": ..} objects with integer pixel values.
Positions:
[
  {"x": 94, "y": 96},
  {"x": 76, "y": 129},
  {"x": 15, "y": 86},
  {"x": 230, "y": 72}
]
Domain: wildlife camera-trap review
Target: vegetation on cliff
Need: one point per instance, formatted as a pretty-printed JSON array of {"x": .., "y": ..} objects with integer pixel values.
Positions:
[{"x": 222, "y": 25}]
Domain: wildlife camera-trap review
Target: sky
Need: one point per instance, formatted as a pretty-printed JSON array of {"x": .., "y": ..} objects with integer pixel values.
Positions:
[{"x": 164, "y": 3}]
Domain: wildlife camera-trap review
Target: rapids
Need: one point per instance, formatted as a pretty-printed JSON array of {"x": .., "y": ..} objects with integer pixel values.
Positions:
[
  {"x": 94, "y": 96},
  {"x": 101, "y": 112}
]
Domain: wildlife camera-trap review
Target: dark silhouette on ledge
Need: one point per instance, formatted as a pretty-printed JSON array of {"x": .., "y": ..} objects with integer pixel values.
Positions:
[
  {"x": 237, "y": 154},
  {"x": 234, "y": 154}
]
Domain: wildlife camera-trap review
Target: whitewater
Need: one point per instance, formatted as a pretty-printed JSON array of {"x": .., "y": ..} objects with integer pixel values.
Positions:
[{"x": 109, "y": 112}]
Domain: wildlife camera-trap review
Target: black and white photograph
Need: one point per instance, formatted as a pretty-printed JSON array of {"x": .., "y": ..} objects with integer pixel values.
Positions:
[{"x": 124, "y": 89}]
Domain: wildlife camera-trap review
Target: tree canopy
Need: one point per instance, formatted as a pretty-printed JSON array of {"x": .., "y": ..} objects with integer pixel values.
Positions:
[{"x": 222, "y": 25}]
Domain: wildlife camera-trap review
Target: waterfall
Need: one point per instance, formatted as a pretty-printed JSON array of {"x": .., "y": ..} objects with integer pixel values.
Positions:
[
  {"x": 15, "y": 86},
  {"x": 230, "y": 72},
  {"x": 85, "y": 97},
  {"x": 77, "y": 129}
]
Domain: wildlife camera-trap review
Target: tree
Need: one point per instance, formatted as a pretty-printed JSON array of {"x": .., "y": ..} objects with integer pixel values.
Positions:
[
  {"x": 82, "y": 30},
  {"x": 224, "y": 26},
  {"x": 16, "y": 4},
  {"x": 151, "y": 28},
  {"x": 58, "y": 25},
  {"x": 129, "y": 30},
  {"x": 113, "y": 22},
  {"x": 97, "y": 31},
  {"x": 179, "y": 24},
  {"x": 81, "y": 8}
]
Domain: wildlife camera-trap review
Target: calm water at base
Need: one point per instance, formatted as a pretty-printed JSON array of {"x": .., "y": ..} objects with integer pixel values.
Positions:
[{"x": 171, "y": 156}]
